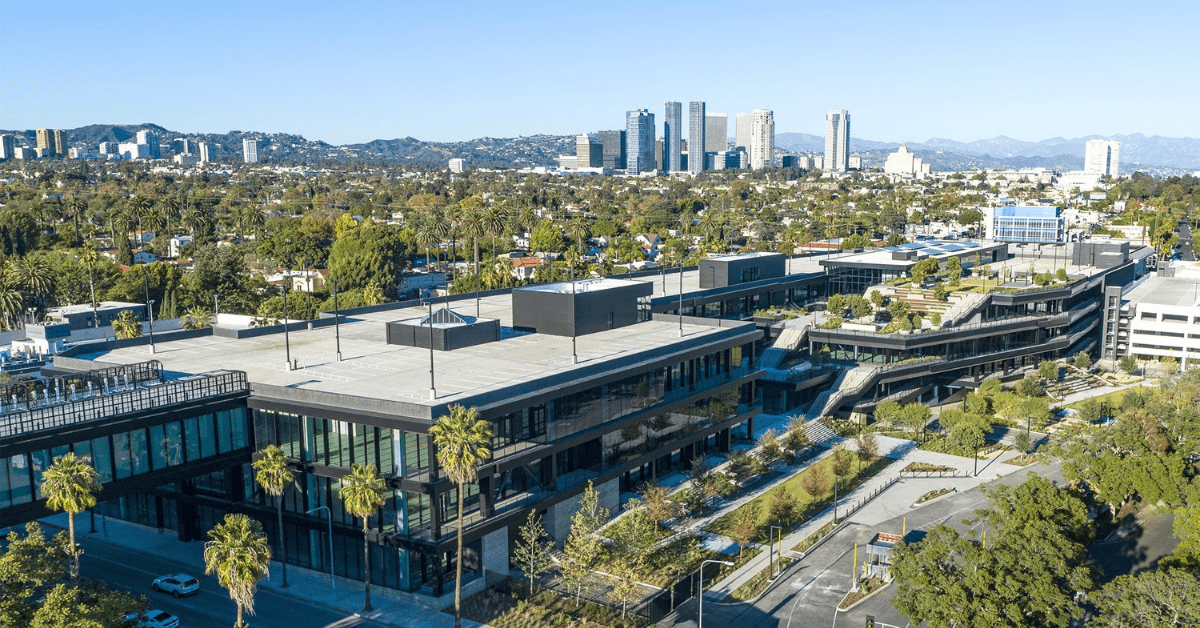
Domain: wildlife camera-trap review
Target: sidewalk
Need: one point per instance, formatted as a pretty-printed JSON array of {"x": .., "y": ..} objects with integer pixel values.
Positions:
[{"x": 392, "y": 608}]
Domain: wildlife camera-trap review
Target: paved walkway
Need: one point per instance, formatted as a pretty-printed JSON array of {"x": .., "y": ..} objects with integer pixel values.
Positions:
[
  {"x": 892, "y": 502},
  {"x": 392, "y": 608}
]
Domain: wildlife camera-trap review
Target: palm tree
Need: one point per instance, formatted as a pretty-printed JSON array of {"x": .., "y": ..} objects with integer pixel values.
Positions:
[
  {"x": 273, "y": 474},
  {"x": 77, "y": 205},
  {"x": 126, "y": 326},
  {"x": 363, "y": 492},
  {"x": 462, "y": 441},
  {"x": 12, "y": 302},
  {"x": 197, "y": 318},
  {"x": 427, "y": 238},
  {"x": 495, "y": 219},
  {"x": 473, "y": 226},
  {"x": 70, "y": 485},
  {"x": 34, "y": 274},
  {"x": 238, "y": 553}
]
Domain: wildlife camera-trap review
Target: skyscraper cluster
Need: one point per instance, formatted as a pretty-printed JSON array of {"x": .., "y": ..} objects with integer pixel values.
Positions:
[{"x": 637, "y": 149}]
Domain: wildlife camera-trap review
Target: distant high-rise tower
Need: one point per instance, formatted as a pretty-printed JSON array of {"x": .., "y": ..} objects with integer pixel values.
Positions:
[
  {"x": 639, "y": 137},
  {"x": 208, "y": 152},
  {"x": 716, "y": 132},
  {"x": 1102, "y": 157},
  {"x": 762, "y": 138},
  {"x": 837, "y": 140},
  {"x": 150, "y": 139},
  {"x": 8, "y": 145},
  {"x": 60, "y": 142},
  {"x": 589, "y": 152},
  {"x": 250, "y": 151},
  {"x": 45, "y": 141},
  {"x": 696, "y": 136},
  {"x": 672, "y": 135},
  {"x": 186, "y": 146},
  {"x": 741, "y": 131},
  {"x": 614, "y": 148}
]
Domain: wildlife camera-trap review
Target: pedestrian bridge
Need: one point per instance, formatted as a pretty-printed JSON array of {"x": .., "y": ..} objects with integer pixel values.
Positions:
[{"x": 140, "y": 427}]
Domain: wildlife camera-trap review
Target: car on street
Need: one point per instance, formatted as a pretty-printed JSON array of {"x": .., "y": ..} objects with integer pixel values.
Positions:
[
  {"x": 176, "y": 584},
  {"x": 153, "y": 619}
]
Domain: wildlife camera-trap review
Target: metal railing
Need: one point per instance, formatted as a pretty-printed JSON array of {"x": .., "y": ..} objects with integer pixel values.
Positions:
[{"x": 82, "y": 407}]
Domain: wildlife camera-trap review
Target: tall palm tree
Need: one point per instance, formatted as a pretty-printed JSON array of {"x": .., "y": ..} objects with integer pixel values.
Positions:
[
  {"x": 70, "y": 485},
  {"x": 463, "y": 442},
  {"x": 126, "y": 326},
  {"x": 473, "y": 227},
  {"x": 78, "y": 205},
  {"x": 427, "y": 238},
  {"x": 495, "y": 219},
  {"x": 273, "y": 474},
  {"x": 363, "y": 492},
  {"x": 34, "y": 274},
  {"x": 238, "y": 553}
]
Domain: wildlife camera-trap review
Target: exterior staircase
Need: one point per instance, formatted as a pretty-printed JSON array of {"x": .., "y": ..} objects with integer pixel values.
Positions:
[{"x": 820, "y": 435}]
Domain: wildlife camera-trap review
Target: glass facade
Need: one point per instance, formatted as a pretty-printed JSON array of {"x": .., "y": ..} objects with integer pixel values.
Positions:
[{"x": 129, "y": 453}]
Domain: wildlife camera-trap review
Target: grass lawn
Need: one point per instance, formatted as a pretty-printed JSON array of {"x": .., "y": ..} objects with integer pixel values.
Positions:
[
  {"x": 668, "y": 563},
  {"x": 1113, "y": 398},
  {"x": 808, "y": 505}
]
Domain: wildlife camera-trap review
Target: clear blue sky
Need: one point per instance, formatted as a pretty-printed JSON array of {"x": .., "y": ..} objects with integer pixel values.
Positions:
[{"x": 348, "y": 72}]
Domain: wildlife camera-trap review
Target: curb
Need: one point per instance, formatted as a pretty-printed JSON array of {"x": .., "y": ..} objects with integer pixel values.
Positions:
[{"x": 869, "y": 596}]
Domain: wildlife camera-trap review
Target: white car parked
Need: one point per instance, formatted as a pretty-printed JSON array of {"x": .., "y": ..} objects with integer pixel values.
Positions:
[
  {"x": 154, "y": 619},
  {"x": 176, "y": 584}
]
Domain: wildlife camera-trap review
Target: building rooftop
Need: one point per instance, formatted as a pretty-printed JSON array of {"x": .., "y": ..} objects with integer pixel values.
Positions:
[
  {"x": 375, "y": 376},
  {"x": 1166, "y": 291},
  {"x": 1027, "y": 211}
]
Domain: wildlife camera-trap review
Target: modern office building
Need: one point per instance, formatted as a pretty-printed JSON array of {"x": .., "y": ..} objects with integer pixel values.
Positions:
[
  {"x": 1158, "y": 318},
  {"x": 716, "y": 132},
  {"x": 741, "y": 131},
  {"x": 457, "y": 165},
  {"x": 614, "y": 149},
  {"x": 186, "y": 146},
  {"x": 8, "y": 144},
  {"x": 1102, "y": 157},
  {"x": 589, "y": 152},
  {"x": 581, "y": 369},
  {"x": 1025, "y": 224},
  {"x": 208, "y": 152},
  {"x": 696, "y": 133},
  {"x": 639, "y": 133},
  {"x": 837, "y": 140},
  {"x": 672, "y": 152},
  {"x": 762, "y": 138},
  {"x": 250, "y": 150}
]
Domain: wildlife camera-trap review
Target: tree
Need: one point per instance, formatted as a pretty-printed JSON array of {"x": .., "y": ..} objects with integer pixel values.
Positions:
[
  {"x": 92, "y": 607},
  {"x": 1022, "y": 441},
  {"x": 1170, "y": 364},
  {"x": 1030, "y": 386},
  {"x": 70, "y": 484},
  {"x": 197, "y": 318},
  {"x": 887, "y": 412},
  {"x": 868, "y": 447},
  {"x": 1162, "y": 598},
  {"x": 836, "y": 305},
  {"x": 658, "y": 505},
  {"x": 126, "y": 326},
  {"x": 28, "y": 565},
  {"x": 531, "y": 554},
  {"x": 963, "y": 429},
  {"x": 877, "y": 299},
  {"x": 782, "y": 508},
  {"x": 939, "y": 291},
  {"x": 547, "y": 237},
  {"x": 815, "y": 482},
  {"x": 1048, "y": 370},
  {"x": 624, "y": 581},
  {"x": 273, "y": 475},
  {"x": 795, "y": 439},
  {"x": 463, "y": 442},
  {"x": 582, "y": 548},
  {"x": 954, "y": 271},
  {"x": 1128, "y": 364},
  {"x": 745, "y": 525},
  {"x": 768, "y": 446},
  {"x": 363, "y": 492},
  {"x": 238, "y": 553},
  {"x": 843, "y": 460},
  {"x": 369, "y": 255},
  {"x": 702, "y": 478},
  {"x": 915, "y": 416},
  {"x": 1083, "y": 361},
  {"x": 924, "y": 269}
]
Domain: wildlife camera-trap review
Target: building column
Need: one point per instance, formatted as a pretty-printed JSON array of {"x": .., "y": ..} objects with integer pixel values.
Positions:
[{"x": 485, "y": 496}]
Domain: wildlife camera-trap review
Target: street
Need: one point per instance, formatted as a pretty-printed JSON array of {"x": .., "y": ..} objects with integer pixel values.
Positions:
[{"x": 211, "y": 607}]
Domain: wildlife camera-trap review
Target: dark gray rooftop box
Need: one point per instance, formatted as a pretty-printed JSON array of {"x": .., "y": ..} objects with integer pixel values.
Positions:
[
  {"x": 730, "y": 270},
  {"x": 576, "y": 308},
  {"x": 449, "y": 331}
]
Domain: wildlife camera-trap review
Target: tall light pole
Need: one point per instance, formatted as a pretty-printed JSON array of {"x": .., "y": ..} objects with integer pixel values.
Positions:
[
  {"x": 700, "y": 609},
  {"x": 329, "y": 518},
  {"x": 432, "y": 385},
  {"x": 681, "y": 300},
  {"x": 149, "y": 310},
  {"x": 337, "y": 327},
  {"x": 287, "y": 341}
]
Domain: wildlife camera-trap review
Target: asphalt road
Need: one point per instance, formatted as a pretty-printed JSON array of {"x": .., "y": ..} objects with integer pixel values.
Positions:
[
  {"x": 211, "y": 607},
  {"x": 812, "y": 588}
]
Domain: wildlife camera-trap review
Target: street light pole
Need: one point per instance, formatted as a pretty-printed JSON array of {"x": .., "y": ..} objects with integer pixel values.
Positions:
[
  {"x": 287, "y": 342},
  {"x": 771, "y": 546},
  {"x": 976, "y": 458},
  {"x": 149, "y": 310},
  {"x": 329, "y": 517},
  {"x": 337, "y": 327},
  {"x": 700, "y": 609}
]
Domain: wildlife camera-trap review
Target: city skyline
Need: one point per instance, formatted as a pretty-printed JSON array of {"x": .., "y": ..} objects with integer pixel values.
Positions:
[{"x": 255, "y": 69}]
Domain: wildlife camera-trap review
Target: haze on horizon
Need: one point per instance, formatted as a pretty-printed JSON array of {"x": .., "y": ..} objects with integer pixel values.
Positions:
[{"x": 963, "y": 71}]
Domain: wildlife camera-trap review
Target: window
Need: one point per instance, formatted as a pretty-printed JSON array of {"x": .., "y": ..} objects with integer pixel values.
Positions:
[
  {"x": 158, "y": 447},
  {"x": 139, "y": 452},
  {"x": 121, "y": 454},
  {"x": 174, "y": 443},
  {"x": 208, "y": 437},
  {"x": 102, "y": 458}
]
